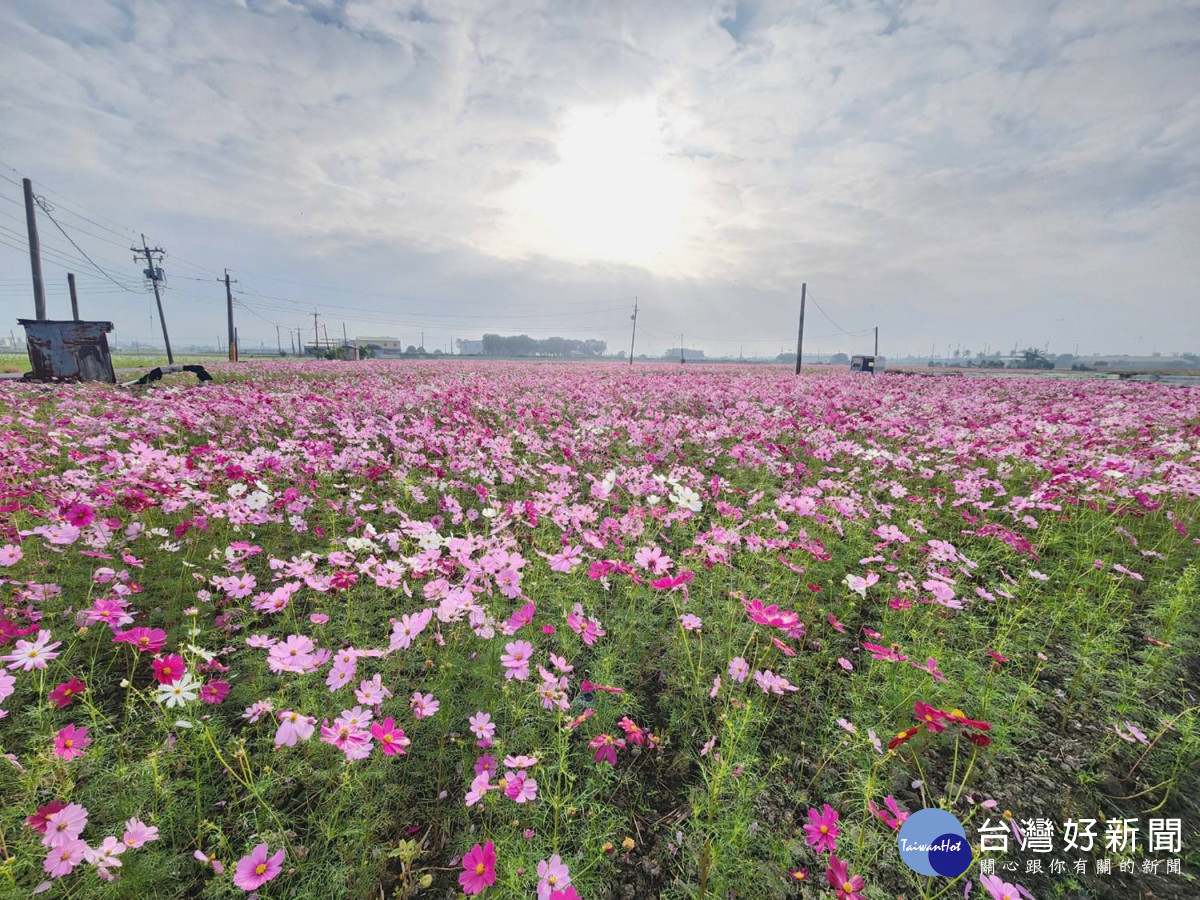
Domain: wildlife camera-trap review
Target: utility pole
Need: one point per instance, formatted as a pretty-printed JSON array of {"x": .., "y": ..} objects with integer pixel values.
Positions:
[
  {"x": 233, "y": 346},
  {"x": 328, "y": 343},
  {"x": 153, "y": 272},
  {"x": 681, "y": 347},
  {"x": 422, "y": 342},
  {"x": 292, "y": 338},
  {"x": 35, "y": 253},
  {"x": 316, "y": 336},
  {"x": 876, "y": 341},
  {"x": 278, "y": 340},
  {"x": 74, "y": 296},
  {"x": 633, "y": 337},
  {"x": 800, "y": 336}
]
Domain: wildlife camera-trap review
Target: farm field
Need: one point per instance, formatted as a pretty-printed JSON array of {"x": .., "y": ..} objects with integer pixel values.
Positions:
[{"x": 370, "y": 630}]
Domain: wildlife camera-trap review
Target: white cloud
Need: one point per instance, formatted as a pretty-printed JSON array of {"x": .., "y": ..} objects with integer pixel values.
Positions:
[{"x": 951, "y": 165}]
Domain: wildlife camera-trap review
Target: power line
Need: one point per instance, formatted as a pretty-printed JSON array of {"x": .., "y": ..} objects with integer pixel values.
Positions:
[{"x": 41, "y": 201}]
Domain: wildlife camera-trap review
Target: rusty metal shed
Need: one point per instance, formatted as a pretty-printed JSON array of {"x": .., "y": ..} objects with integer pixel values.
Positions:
[{"x": 66, "y": 350}]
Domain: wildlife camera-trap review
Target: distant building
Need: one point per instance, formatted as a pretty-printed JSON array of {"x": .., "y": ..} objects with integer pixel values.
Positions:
[
  {"x": 686, "y": 353},
  {"x": 469, "y": 348},
  {"x": 380, "y": 346}
]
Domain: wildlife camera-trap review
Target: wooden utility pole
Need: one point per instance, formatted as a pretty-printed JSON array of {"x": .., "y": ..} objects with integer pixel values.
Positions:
[
  {"x": 153, "y": 272},
  {"x": 633, "y": 337},
  {"x": 74, "y": 296},
  {"x": 233, "y": 346},
  {"x": 35, "y": 253},
  {"x": 800, "y": 337}
]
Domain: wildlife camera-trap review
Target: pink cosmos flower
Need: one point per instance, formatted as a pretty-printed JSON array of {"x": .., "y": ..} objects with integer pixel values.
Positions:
[
  {"x": 516, "y": 660},
  {"x": 483, "y": 728},
  {"x": 257, "y": 868},
  {"x": 690, "y": 622},
  {"x": 138, "y": 833},
  {"x": 519, "y": 787},
  {"x": 10, "y": 555},
  {"x": 65, "y": 825},
  {"x": 423, "y": 705},
  {"x": 62, "y": 696},
  {"x": 8, "y": 688},
  {"x": 208, "y": 860},
  {"x": 554, "y": 876},
  {"x": 738, "y": 669},
  {"x": 214, "y": 692},
  {"x": 168, "y": 669},
  {"x": 848, "y": 886},
  {"x": 821, "y": 832},
  {"x": 569, "y": 894},
  {"x": 479, "y": 869},
  {"x": 30, "y": 655},
  {"x": 145, "y": 640},
  {"x": 38, "y": 820},
  {"x": 71, "y": 742},
  {"x": 392, "y": 740},
  {"x": 999, "y": 889},
  {"x": 293, "y": 727},
  {"x": 606, "y": 748},
  {"x": 63, "y": 858}
]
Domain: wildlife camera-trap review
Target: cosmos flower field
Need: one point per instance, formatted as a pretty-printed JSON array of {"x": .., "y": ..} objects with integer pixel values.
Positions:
[{"x": 369, "y": 630}]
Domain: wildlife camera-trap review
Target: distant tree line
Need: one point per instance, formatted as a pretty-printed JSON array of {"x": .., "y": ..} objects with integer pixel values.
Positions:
[{"x": 524, "y": 345}]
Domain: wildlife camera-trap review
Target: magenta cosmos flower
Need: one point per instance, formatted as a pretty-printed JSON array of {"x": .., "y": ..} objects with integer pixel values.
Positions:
[
  {"x": 821, "y": 832},
  {"x": 479, "y": 869},
  {"x": 848, "y": 886},
  {"x": 392, "y": 740},
  {"x": 71, "y": 742},
  {"x": 64, "y": 695},
  {"x": 257, "y": 868}
]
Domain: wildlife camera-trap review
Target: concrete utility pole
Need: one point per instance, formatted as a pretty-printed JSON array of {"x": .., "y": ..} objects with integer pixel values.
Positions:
[
  {"x": 35, "y": 253},
  {"x": 74, "y": 296},
  {"x": 150, "y": 267},
  {"x": 233, "y": 347},
  {"x": 316, "y": 336},
  {"x": 800, "y": 336},
  {"x": 278, "y": 340},
  {"x": 681, "y": 346},
  {"x": 876, "y": 341},
  {"x": 633, "y": 337}
]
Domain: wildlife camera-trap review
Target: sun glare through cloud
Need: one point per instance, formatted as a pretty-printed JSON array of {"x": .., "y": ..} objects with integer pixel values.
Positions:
[{"x": 615, "y": 194}]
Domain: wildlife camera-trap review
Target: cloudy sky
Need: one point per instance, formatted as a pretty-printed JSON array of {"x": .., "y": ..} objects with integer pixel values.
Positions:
[{"x": 957, "y": 173}]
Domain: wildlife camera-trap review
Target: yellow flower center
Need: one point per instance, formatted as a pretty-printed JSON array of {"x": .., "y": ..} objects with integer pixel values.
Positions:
[
  {"x": 260, "y": 868},
  {"x": 68, "y": 743},
  {"x": 847, "y": 887},
  {"x": 479, "y": 869},
  {"x": 824, "y": 829},
  {"x": 387, "y": 738},
  {"x": 33, "y": 654},
  {"x": 552, "y": 880}
]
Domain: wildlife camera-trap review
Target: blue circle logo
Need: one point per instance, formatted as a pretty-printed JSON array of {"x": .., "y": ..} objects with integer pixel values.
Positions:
[{"x": 933, "y": 842}]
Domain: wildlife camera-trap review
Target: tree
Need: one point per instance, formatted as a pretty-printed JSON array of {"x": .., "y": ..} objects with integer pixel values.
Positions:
[
  {"x": 1033, "y": 358},
  {"x": 839, "y": 359}
]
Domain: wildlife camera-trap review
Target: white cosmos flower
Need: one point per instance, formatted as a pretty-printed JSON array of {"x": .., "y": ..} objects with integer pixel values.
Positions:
[
  {"x": 430, "y": 541},
  {"x": 179, "y": 692}
]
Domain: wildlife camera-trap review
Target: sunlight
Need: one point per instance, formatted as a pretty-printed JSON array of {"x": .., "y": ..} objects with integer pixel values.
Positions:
[{"x": 615, "y": 193}]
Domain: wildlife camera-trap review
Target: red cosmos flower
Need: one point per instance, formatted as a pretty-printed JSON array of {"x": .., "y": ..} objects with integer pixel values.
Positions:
[
  {"x": 589, "y": 687},
  {"x": 979, "y": 740},
  {"x": 903, "y": 737},
  {"x": 959, "y": 717},
  {"x": 38, "y": 820},
  {"x": 930, "y": 717},
  {"x": 343, "y": 579},
  {"x": 64, "y": 695}
]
